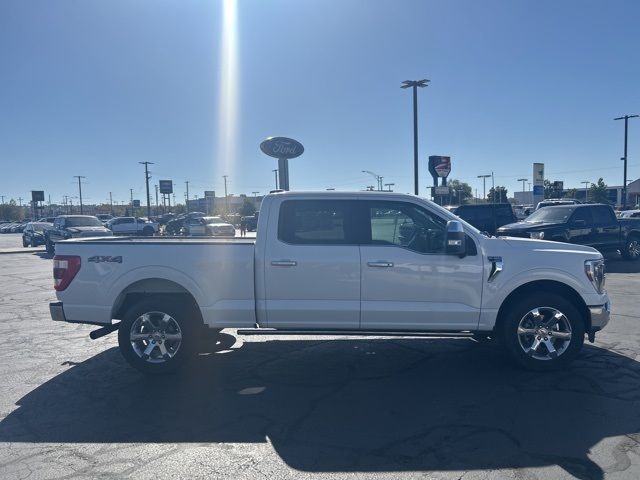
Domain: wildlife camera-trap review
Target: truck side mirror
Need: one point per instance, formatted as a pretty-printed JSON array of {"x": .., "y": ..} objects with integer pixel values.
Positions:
[{"x": 455, "y": 239}]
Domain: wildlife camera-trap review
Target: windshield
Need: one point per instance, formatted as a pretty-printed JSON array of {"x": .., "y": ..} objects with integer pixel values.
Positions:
[
  {"x": 550, "y": 214},
  {"x": 214, "y": 220},
  {"x": 82, "y": 222},
  {"x": 39, "y": 227}
]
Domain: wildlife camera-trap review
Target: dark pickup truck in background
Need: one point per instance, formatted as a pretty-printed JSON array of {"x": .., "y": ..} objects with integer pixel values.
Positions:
[{"x": 595, "y": 225}]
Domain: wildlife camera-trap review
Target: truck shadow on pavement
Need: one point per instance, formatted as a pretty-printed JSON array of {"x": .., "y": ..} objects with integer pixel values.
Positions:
[{"x": 369, "y": 405}]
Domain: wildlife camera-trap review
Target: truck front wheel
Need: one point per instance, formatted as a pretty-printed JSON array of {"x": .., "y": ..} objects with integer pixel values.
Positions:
[
  {"x": 156, "y": 336},
  {"x": 543, "y": 332},
  {"x": 631, "y": 250}
]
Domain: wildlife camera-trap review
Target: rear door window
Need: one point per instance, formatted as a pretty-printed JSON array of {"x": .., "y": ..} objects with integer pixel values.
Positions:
[
  {"x": 317, "y": 222},
  {"x": 603, "y": 216}
]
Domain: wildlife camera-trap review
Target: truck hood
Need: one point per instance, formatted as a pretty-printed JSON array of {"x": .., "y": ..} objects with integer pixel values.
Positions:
[
  {"x": 526, "y": 226},
  {"x": 541, "y": 246},
  {"x": 92, "y": 231}
]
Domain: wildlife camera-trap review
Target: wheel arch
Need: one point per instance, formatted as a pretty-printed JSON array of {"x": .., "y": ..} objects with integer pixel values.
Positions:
[
  {"x": 551, "y": 286},
  {"x": 149, "y": 287}
]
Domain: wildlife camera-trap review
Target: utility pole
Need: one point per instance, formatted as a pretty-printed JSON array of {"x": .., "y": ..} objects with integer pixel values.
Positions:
[
  {"x": 377, "y": 177},
  {"x": 131, "y": 191},
  {"x": 80, "y": 177},
  {"x": 226, "y": 198},
  {"x": 276, "y": 174},
  {"x": 255, "y": 194},
  {"x": 389, "y": 185},
  {"x": 415, "y": 84},
  {"x": 626, "y": 130},
  {"x": 157, "y": 206},
  {"x": 111, "y": 201},
  {"x": 146, "y": 178},
  {"x": 586, "y": 190},
  {"x": 484, "y": 185},
  {"x": 19, "y": 200},
  {"x": 186, "y": 196}
]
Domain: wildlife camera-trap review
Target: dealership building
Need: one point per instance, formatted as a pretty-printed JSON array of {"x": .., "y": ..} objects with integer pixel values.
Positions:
[{"x": 614, "y": 194}]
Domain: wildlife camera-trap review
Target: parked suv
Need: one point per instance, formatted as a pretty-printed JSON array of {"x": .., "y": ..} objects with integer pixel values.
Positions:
[
  {"x": 74, "y": 226},
  {"x": 33, "y": 234},
  {"x": 487, "y": 217}
]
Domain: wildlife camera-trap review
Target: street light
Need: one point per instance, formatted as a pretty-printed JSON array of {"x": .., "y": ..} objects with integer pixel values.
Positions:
[
  {"x": 626, "y": 129},
  {"x": 415, "y": 84},
  {"x": 586, "y": 190},
  {"x": 484, "y": 185},
  {"x": 389, "y": 185},
  {"x": 377, "y": 177}
]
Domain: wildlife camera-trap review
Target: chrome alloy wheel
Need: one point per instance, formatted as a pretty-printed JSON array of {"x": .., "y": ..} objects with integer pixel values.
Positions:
[
  {"x": 544, "y": 333},
  {"x": 155, "y": 337},
  {"x": 634, "y": 248}
]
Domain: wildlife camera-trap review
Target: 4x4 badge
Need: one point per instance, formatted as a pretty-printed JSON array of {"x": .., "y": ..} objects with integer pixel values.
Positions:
[{"x": 105, "y": 258}]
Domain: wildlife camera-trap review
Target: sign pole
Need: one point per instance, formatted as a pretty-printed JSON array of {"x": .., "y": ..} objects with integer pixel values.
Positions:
[{"x": 283, "y": 172}]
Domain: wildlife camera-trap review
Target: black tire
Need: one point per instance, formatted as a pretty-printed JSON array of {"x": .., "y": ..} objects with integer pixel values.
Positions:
[
  {"x": 546, "y": 303},
  {"x": 147, "y": 231},
  {"x": 50, "y": 246},
  {"x": 631, "y": 250},
  {"x": 153, "y": 364},
  {"x": 25, "y": 244}
]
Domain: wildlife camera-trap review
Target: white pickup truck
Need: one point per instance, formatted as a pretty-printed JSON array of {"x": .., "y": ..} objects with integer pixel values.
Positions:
[{"x": 332, "y": 263}]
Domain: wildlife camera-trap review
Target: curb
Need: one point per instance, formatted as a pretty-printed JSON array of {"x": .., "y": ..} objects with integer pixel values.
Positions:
[{"x": 21, "y": 250}]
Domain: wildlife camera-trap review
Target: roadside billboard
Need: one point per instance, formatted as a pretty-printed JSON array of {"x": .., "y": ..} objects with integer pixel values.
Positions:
[{"x": 166, "y": 186}]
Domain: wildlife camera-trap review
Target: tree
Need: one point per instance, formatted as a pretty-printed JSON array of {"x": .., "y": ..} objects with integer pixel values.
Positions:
[
  {"x": 571, "y": 193},
  {"x": 247, "y": 208},
  {"x": 460, "y": 190},
  {"x": 598, "y": 192},
  {"x": 497, "y": 195},
  {"x": 11, "y": 211}
]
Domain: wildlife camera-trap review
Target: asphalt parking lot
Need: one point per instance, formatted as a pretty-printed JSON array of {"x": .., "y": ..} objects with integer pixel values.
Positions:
[{"x": 311, "y": 408}]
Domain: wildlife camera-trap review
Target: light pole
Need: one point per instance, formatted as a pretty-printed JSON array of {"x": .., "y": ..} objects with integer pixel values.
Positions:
[
  {"x": 523, "y": 180},
  {"x": 186, "y": 196},
  {"x": 377, "y": 177},
  {"x": 79, "y": 177},
  {"x": 586, "y": 190},
  {"x": 415, "y": 84},
  {"x": 389, "y": 185},
  {"x": 624, "y": 184},
  {"x": 484, "y": 186},
  {"x": 146, "y": 178},
  {"x": 275, "y": 171}
]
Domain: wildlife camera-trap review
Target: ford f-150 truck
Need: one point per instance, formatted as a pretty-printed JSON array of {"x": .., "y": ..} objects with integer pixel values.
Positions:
[
  {"x": 595, "y": 225},
  {"x": 334, "y": 263}
]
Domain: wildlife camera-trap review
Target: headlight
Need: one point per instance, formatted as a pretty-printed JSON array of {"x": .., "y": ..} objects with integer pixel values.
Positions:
[
  {"x": 536, "y": 235},
  {"x": 594, "y": 269}
]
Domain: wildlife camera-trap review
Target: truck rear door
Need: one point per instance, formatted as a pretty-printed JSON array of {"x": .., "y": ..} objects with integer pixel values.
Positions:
[
  {"x": 312, "y": 267},
  {"x": 606, "y": 228}
]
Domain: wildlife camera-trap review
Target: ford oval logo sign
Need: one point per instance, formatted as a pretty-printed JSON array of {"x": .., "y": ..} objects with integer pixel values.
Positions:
[{"x": 282, "y": 147}]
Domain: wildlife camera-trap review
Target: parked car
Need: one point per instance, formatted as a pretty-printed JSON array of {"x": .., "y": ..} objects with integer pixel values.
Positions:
[
  {"x": 74, "y": 226},
  {"x": 557, "y": 202},
  {"x": 487, "y": 217},
  {"x": 590, "y": 224},
  {"x": 250, "y": 222},
  {"x": 132, "y": 226},
  {"x": 33, "y": 233},
  {"x": 629, "y": 214},
  {"x": 46, "y": 219},
  {"x": 174, "y": 226},
  {"x": 208, "y": 226},
  {"x": 6, "y": 227},
  {"x": 329, "y": 263},
  {"x": 104, "y": 218}
]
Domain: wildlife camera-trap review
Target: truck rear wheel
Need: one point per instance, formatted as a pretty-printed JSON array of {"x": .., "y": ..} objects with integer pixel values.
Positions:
[
  {"x": 157, "y": 336},
  {"x": 543, "y": 332},
  {"x": 631, "y": 250},
  {"x": 147, "y": 231}
]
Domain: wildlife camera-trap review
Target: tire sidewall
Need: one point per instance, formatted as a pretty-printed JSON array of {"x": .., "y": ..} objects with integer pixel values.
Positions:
[
  {"x": 539, "y": 299},
  {"x": 187, "y": 327}
]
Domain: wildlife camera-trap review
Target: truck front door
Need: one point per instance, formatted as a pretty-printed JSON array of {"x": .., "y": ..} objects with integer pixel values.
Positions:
[
  {"x": 408, "y": 281},
  {"x": 312, "y": 268}
]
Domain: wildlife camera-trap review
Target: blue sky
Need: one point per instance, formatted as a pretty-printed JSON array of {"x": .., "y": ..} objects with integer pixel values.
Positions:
[{"x": 93, "y": 87}]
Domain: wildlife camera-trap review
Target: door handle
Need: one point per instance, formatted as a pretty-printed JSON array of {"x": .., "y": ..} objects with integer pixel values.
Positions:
[
  {"x": 284, "y": 263},
  {"x": 380, "y": 264}
]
